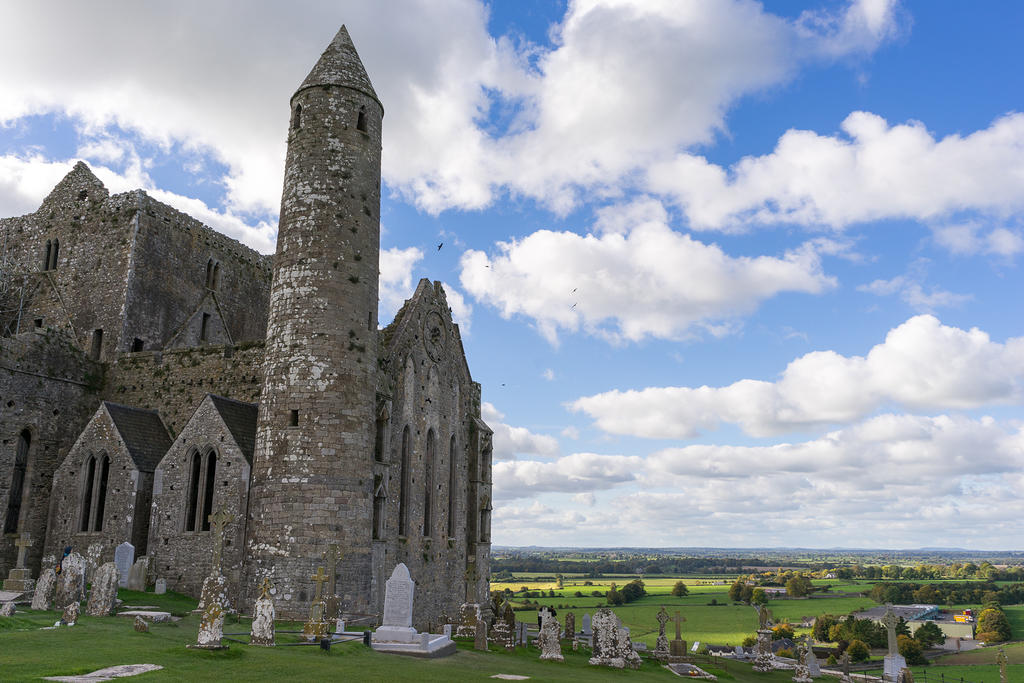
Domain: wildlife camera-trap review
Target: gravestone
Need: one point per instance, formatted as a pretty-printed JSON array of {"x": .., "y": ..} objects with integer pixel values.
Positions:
[
  {"x": 570, "y": 626},
  {"x": 605, "y": 650},
  {"x": 7, "y": 609},
  {"x": 103, "y": 594},
  {"x": 124, "y": 558},
  {"x": 316, "y": 628},
  {"x": 626, "y": 650},
  {"x": 160, "y": 586},
  {"x": 801, "y": 673},
  {"x": 447, "y": 630},
  {"x": 480, "y": 635},
  {"x": 813, "y": 667},
  {"x": 71, "y": 582},
  {"x": 586, "y": 625},
  {"x": 211, "y": 629},
  {"x": 503, "y": 631},
  {"x": 396, "y": 634},
  {"x": 894, "y": 661},
  {"x": 765, "y": 659},
  {"x": 469, "y": 614},
  {"x": 43, "y": 597},
  {"x": 906, "y": 676},
  {"x": 20, "y": 578},
  {"x": 661, "y": 651},
  {"x": 331, "y": 557},
  {"x": 677, "y": 648},
  {"x": 215, "y": 586},
  {"x": 549, "y": 640},
  {"x": 70, "y": 615},
  {"x": 263, "y": 614},
  {"x": 522, "y": 633},
  {"x": 137, "y": 575},
  {"x": 141, "y": 625}
]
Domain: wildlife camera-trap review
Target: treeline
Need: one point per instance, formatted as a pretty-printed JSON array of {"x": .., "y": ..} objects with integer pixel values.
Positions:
[
  {"x": 948, "y": 593},
  {"x": 675, "y": 565},
  {"x": 957, "y": 570}
]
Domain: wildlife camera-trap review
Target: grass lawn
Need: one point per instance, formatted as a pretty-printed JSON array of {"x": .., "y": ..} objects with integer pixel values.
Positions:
[{"x": 27, "y": 653}]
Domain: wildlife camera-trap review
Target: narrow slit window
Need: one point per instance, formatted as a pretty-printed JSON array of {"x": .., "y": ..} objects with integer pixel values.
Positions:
[
  {"x": 53, "y": 256},
  {"x": 209, "y": 274},
  {"x": 293, "y": 418},
  {"x": 428, "y": 484},
  {"x": 90, "y": 474},
  {"x": 46, "y": 256},
  {"x": 403, "y": 491},
  {"x": 297, "y": 117},
  {"x": 361, "y": 120},
  {"x": 97, "y": 344},
  {"x": 451, "y": 488},
  {"x": 204, "y": 327},
  {"x": 215, "y": 282}
]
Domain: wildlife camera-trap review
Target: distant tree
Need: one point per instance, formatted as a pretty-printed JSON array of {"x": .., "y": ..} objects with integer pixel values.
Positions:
[
  {"x": 578, "y": 594},
  {"x": 749, "y": 641},
  {"x": 747, "y": 594},
  {"x": 634, "y": 590},
  {"x": 901, "y": 627},
  {"x": 798, "y": 586},
  {"x": 558, "y": 581},
  {"x": 994, "y": 621},
  {"x": 823, "y": 626},
  {"x": 614, "y": 596},
  {"x": 911, "y": 650},
  {"x": 736, "y": 590},
  {"x": 680, "y": 589},
  {"x": 858, "y": 651},
  {"x": 759, "y": 597},
  {"x": 929, "y": 634},
  {"x": 780, "y": 631}
]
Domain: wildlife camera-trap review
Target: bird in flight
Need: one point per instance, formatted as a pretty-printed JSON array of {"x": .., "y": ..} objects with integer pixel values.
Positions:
[{"x": 439, "y": 246}]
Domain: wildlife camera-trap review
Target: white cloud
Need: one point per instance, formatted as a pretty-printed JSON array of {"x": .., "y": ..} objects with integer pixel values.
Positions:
[
  {"x": 606, "y": 99},
  {"x": 576, "y": 473},
  {"x": 627, "y": 284},
  {"x": 548, "y": 374},
  {"x": 462, "y": 310},
  {"x": 396, "y": 267},
  {"x": 874, "y": 171},
  {"x": 922, "y": 364},
  {"x": 914, "y": 293},
  {"x": 971, "y": 238},
  {"x": 510, "y": 442}
]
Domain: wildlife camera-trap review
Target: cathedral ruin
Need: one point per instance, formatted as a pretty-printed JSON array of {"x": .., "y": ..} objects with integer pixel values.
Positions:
[{"x": 153, "y": 371}]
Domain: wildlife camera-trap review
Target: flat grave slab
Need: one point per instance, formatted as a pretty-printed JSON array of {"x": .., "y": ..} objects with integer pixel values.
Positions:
[
  {"x": 148, "y": 615},
  {"x": 108, "y": 674}
]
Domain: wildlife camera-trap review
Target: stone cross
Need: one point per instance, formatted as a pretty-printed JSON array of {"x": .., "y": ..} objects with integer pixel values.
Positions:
[
  {"x": 319, "y": 579},
  {"x": 890, "y": 620},
  {"x": 218, "y": 521},
  {"x": 471, "y": 583},
  {"x": 663, "y": 618},
  {"x": 331, "y": 557},
  {"x": 23, "y": 543},
  {"x": 265, "y": 588}
]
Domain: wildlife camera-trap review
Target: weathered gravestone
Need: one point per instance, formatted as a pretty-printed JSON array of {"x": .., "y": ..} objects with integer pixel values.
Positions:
[
  {"x": 211, "y": 629},
  {"x": 263, "y": 614},
  {"x": 141, "y": 625},
  {"x": 503, "y": 630},
  {"x": 215, "y": 586},
  {"x": 480, "y": 635},
  {"x": 20, "y": 578},
  {"x": 549, "y": 640},
  {"x": 469, "y": 614},
  {"x": 570, "y": 626},
  {"x": 160, "y": 586},
  {"x": 70, "y": 615},
  {"x": 124, "y": 558},
  {"x": 43, "y": 596},
  {"x": 586, "y": 625},
  {"x": 103, "y": 594},
  {"x": 611, "y": 644},
  {"x": 71, "y": 582},
  {"x": 316, "y": 628},
  {"x": 800, "y": 673},
  {"x": 677, "y": 648},
  {"x": 813, "y": 667},
  {"x": 661, "y": 646},
  {"x": 138, "y": 575},
  {"x": 7, "y": 609}
]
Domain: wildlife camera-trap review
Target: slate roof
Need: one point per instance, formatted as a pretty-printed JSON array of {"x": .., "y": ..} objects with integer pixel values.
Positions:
[
  {"x": 340, "y": 65},
  {"x": 240, "y": 419},
  {"x": 143, "y": 432}
]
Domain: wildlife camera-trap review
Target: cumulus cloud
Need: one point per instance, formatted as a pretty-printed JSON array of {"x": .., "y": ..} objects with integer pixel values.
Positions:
[
  {"x": 914, "y": 294},
  {"x": 576, "y": 473},
  {"x": 922, "y": 364},
  {"x": 872, "y": 171},
  {"x": 396, "y": 267},
  {"x": 972, "y": 238},
  {"x": 510, "y": 442},
  {"x": 606, "y": 98},
  {"x": 626, "y": 283},
  {"x": 462, "y": 310}
]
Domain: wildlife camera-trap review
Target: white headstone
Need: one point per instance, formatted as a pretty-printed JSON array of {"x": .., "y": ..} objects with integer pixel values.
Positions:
[
  {"x": 124, "y": 558},
  {"x": 696, "y": 644},
  {"x": 586, "y": 624},
  {"x": 398, "y": 596},
  {"x": 160, "y": 587}
]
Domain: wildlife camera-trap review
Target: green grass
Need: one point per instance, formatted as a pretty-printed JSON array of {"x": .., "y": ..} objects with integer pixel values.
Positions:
[{"x": 95, "y": 643}]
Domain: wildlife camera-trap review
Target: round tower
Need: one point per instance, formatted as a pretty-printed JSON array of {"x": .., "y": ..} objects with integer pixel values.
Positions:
[{"x": 311, "y": 477}]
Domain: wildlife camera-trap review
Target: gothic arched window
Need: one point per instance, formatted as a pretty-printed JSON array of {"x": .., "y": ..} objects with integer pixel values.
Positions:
[
  {"x": 403, "y": 491},
  {"x": 201, "y": 485},
  {"x": 90, "y": 476},
  {"x": 17, "y": 483},
  {"x": 94, "y": 492},
  {"x": 451, "y": 488}
]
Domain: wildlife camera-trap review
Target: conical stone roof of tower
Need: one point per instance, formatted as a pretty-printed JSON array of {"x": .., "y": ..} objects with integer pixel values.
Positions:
[{"x": 340, "y": 65}]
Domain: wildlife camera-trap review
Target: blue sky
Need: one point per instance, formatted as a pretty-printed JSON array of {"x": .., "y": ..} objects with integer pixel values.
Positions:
[{"x": 730, "y": 273}]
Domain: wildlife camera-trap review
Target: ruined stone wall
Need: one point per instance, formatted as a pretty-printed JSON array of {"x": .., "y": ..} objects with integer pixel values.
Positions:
[
  {"x": 174, "y": 382},
  {"x": 85, "y": 290},
  {"x": 168, "y": 291},
  {"x": 433, "y": 395},
  {"x": 48, "y": 387},
  {"x": 121, "y": 506},
  {"x": 184, "y": 557}
]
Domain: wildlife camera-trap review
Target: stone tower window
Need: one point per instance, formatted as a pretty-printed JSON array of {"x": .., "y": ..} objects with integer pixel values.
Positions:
[
  {"x": 212, "y": 274},
  {"x": 451, "y": 488},
  {"x": 204, "y": 327},
  {"x": 17, "y": 483},
  {"x": 216, "y": 275},
  {"x": 380, "y": 499},
  {"x": 379, "y": 447},
  {"x": 137, "y": 345},
  {"x": 46, "y": 256},
  {"x": 403, "y": 491},
  {"x": 297, "y": 117},
  {"x": 97, "y": 344},
  {"x": 53, "y": 256},
  {"x": 428, "y": 483},
  {"x": 293, "y": 418},
  {"x": 485, "y": 521},
  {"x": 94, "y": 489},
  {"x": 361, "y": 120},
  {"x": 203, "y": 472}
]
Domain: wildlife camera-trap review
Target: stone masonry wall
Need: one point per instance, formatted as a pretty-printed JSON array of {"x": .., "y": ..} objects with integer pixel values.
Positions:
[
  {"x": 184, "y": 557},
  {"x": 50, "y": 388},
  {"x": 174, "y": 382}
]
